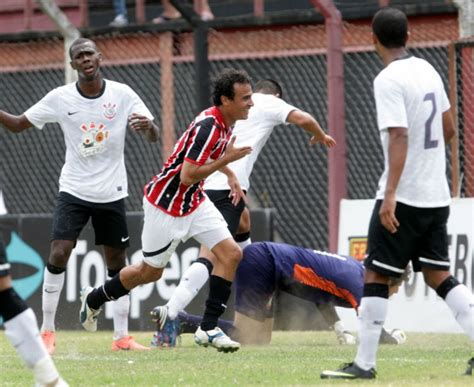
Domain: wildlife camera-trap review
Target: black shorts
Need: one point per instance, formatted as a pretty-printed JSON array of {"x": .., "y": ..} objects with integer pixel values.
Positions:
[
  {"x": 4, "y": 265},
  {"x": 422, "y": 238},
  {"x": 223, "y": 203},
  {"x": 108, "y": 220}
]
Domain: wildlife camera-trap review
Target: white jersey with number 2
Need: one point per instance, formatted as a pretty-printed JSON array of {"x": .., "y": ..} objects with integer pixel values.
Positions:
[
  {"x": 268, "y": 111},
  {"x": 409, "y": 93}
]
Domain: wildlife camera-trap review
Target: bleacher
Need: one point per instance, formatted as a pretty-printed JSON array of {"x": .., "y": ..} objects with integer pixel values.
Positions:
[{"x": 21, "y": 16}]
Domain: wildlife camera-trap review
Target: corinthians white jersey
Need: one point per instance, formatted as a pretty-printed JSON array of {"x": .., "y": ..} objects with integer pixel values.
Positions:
[
  {"x": 94, "y": 132},
  {"x": 409, "y": 93},
  {"x": 268, "y": 111}
]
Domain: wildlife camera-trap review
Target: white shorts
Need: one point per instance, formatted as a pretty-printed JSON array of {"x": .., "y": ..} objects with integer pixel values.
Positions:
[{"x": 162, "y": 232}]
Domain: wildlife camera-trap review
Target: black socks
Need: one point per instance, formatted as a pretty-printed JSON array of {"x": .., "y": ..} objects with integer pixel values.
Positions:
[
  {"x": 110, "y": 291},
  {"x": 219, "y": 292}
]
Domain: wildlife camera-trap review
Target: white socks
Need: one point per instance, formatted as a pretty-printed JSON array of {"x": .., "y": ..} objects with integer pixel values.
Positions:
[
  {"x": 244, "y": 243},
  {"x": 46, "y": 374},
  {"x": 191, "y": 282},
  {"x": 22, "y": 332},
  {"x": 373, "y": 311},
  {"x": 52, "y": 287},
  {"x": 120, "y": 310},
  {"x": 461, "y": 302}
]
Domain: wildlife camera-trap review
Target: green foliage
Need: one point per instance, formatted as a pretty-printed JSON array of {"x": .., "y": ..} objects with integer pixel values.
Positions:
[{"x": 293, "y": 358}]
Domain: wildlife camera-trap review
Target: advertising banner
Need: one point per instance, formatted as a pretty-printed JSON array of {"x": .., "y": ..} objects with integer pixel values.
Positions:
[
  {"x": 416, "y": 307},
  {"x": 27, "y": 241}
]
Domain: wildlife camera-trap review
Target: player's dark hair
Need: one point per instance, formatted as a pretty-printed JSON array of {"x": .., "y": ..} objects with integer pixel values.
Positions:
[
  {"x": 269, "y": 86},
  {"x": 390, "y": 26},
  {"x": 223, "y": 84},
  {"x": 77, "y": 42}
]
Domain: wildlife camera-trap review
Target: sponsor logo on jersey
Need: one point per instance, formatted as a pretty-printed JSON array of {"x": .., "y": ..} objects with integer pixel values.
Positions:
[
  {"x": 358, "y": 247},
  {"x": 93, "y": 139},
  {"x": 110, "y": 110}
]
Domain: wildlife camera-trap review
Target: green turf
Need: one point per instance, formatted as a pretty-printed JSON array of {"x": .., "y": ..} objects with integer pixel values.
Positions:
[{"x": 293, "y": 358}]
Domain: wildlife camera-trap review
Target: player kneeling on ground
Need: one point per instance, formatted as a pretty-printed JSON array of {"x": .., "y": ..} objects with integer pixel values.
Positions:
[{"x": 323, "y": 278}]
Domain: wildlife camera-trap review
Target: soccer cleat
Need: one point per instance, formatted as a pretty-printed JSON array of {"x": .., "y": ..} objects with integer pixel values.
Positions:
[
  {"x": 127, "y": 344},
  {"x": 395, "y": 336},
  {"x": 187, "y": 324},
  {"x": 470, "y": 366},
  {"x": 168, "y": 335},
  {"x": 349, "y": 371},
  {"x": 88, "y": 316},
  {"x": 346, "y": 338},
  {"x": 159, "y": 314},
  {"x": 60, "y": 382},
  {"x": 49, "y": 340},
  {"x": 217, "y": 339},
  {"x": 46, "y": 375}
]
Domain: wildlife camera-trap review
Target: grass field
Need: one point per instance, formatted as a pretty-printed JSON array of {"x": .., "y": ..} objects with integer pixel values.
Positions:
[{"x": 293, "y": 358}]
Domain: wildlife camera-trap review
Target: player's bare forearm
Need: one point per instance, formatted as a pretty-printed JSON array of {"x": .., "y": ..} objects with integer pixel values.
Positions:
[
  {"x": 227, "y": 171},
  {"x": 397, "y": 153},
  {"x": 309, "y": 124},
  {"x": 449, "y": 127},
  {"x": 13, "y": 123},
  {"x": 144, "y": 125},
  {"x": 236, "y": 192},
  {"x": 192, "y": 173},
  {"x": 152, "y": 134}
]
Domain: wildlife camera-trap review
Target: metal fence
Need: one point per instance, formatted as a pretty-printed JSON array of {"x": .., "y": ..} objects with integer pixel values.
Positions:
[{"x": 290, "y": 176}]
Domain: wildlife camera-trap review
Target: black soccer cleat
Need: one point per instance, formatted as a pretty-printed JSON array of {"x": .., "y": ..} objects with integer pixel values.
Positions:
[
  {"x": 470, "y": 366},
  {"x": 349, "y": 371},
  {"x": 386, "y": 338}
]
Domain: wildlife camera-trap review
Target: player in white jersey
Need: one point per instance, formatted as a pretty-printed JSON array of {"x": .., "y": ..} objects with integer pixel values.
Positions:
[
  {"x": 409, "y": 220},
  {"x": 93, "y": 114},
  {"x": 21, "y": 327},
  {"x": 269, "y": 110}
]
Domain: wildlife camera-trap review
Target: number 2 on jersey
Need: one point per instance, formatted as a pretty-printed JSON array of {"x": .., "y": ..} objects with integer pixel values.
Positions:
[{"x": 429, "y": 143}]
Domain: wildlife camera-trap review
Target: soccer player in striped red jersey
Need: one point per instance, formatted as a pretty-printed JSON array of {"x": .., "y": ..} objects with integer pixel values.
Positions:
[
  {"x": 206, "y": 138},
  {"x": 176, "y": 209}
]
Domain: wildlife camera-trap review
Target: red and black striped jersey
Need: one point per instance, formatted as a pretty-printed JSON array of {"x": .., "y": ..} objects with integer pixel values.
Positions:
[{"x": 205, "y": 140}]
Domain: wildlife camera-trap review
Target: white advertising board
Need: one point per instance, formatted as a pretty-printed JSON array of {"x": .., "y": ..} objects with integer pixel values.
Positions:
[{"x": 416, "y": 307}]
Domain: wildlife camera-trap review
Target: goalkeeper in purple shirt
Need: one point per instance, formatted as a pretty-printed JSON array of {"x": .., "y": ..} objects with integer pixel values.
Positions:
[{"x": 323, "y": 278}]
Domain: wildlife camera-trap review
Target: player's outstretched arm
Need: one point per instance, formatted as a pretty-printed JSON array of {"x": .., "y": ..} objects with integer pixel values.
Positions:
[
  {"x": 309, "y": 123},
  {"x": 13, "y": 123},
  {"x": 143, "y": 124}
]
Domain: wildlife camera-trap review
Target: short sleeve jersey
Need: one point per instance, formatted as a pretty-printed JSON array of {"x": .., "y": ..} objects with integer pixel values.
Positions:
[
  {"x": 409, "y": 93},
  {"x": 323, "y": 276},
  {"x": 268, "y": 111},
  {"x": 94, "y": 132},
  {"x": 204, "y": 141}
]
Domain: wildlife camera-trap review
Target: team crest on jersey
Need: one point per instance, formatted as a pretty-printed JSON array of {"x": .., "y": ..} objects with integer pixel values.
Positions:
[
  {"x": 110, "y": 110},
  {"x": 93, "y": 139},
  {"x": 358, "y": 247}
]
